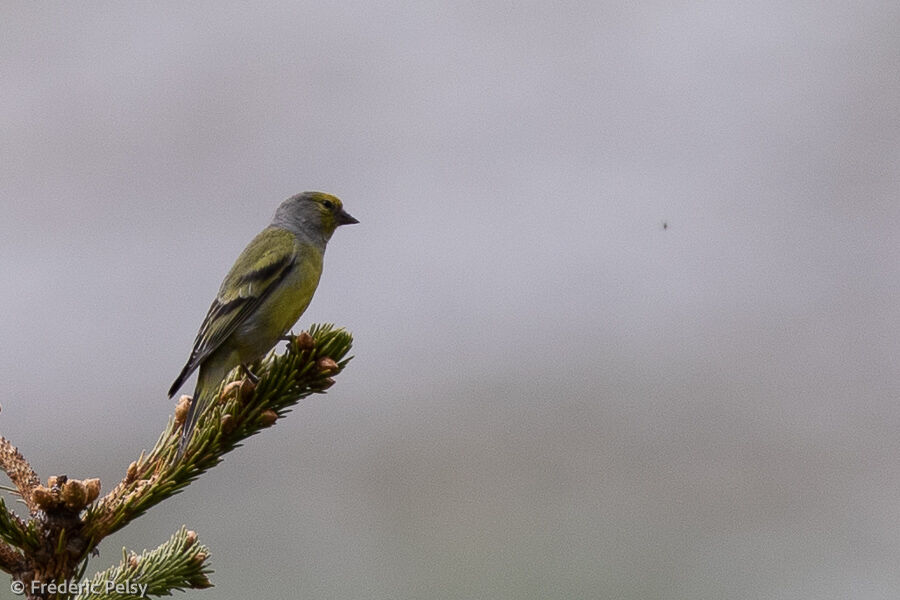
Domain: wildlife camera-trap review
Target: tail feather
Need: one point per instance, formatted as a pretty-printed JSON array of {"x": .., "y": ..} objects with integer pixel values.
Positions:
[
  {"x": 179, "y": 381},
  {"x": 194, "y": 411},
  {"x": 212, "y": 372}
]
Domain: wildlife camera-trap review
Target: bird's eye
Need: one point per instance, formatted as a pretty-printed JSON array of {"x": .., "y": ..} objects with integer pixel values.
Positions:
[{"x": 328, "y": 204}]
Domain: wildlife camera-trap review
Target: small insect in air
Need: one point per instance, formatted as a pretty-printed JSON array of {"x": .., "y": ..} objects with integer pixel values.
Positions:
[{"x": 665, "y": 225}]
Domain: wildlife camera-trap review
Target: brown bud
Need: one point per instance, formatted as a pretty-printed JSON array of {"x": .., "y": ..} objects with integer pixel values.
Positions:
[
  {"x": 326, "y": 365},
  {"x": 200, "y": 557},
  {"x": 74, "y": 494},
  {"x": 248, "y": 388},
  {"x": 133, "y": 560},
  {"x": 230, "y": 389},
  {"x": 228, "y": 424},
  {"x": 92, "y": 487},
  {"x": 181, "y": 410},
  {"x": 268, "y": 418},
  {"x": 131, "y": 474},
  {"x": 43, "y": 497},
  {"x": 191, "y": 537},
  {"x": 304, "y": 341}
]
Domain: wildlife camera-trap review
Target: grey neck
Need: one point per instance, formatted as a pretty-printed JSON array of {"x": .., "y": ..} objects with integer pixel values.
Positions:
[{"x": 303, "y": 226}]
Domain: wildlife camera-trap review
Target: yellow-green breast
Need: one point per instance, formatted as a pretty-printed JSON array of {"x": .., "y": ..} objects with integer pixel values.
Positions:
[{"x": 281, "y": 309}]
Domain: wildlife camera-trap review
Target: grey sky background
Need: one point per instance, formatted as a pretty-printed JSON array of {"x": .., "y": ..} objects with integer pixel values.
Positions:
[{"x": 552, "y": 396}]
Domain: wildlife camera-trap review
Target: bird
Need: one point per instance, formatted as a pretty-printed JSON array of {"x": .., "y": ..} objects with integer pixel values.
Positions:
[{"x": 266, "y": 291}]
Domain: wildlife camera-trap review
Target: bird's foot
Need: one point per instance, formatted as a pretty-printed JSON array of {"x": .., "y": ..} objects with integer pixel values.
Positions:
[
  {"x": 254, "y": 379},
  {"x": 289, "y": 338}
]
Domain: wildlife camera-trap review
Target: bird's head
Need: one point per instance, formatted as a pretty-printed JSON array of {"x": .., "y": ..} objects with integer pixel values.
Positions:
[{"x": 313, "y": 214}]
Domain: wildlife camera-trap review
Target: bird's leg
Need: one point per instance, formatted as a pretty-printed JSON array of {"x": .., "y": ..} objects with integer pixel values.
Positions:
[
  {"x": 254, "y": 379},
  {"x": 288, "y": 337}
]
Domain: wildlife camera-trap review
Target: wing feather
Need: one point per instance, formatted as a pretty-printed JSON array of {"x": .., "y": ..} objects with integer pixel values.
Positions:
[{"x": 259, "y": 270}]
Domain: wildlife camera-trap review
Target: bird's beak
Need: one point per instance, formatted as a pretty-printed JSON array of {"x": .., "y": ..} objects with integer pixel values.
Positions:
[{"x": 344, "y": 218}]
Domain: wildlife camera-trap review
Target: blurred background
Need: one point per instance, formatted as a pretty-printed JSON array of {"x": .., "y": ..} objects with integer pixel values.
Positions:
[{"x": 624, "y": 291}]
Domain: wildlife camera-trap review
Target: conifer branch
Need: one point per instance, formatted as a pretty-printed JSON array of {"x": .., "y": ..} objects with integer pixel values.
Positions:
[
  {"x": 15, "y": 531},
  {"x": 53, "y": 545},
  {"x": 243, "y": 410},
  {"x": 19, "y": 471},
  {"x": 178, "y": 564}
]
